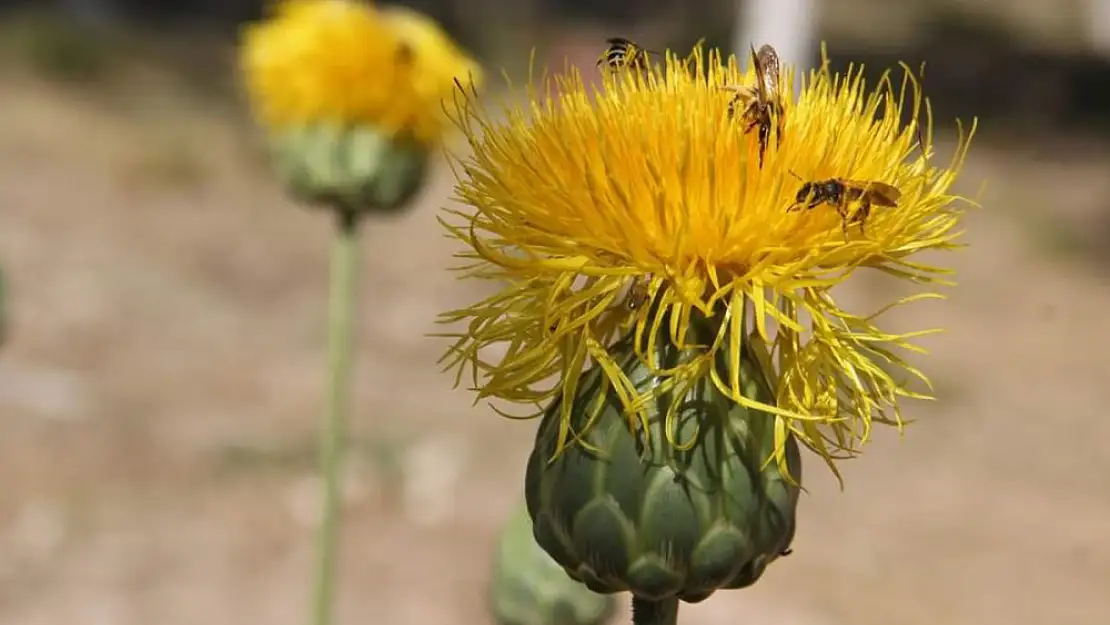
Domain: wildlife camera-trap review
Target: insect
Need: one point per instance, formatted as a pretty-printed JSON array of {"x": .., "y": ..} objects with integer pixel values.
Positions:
[
  {"x": 405, "y": 53},
  {"x": 840, "y": 193},
  {"x": 762, "y": 103},
  {"x": 638, "y": 294},
  {"x": 624, "y": 53}
]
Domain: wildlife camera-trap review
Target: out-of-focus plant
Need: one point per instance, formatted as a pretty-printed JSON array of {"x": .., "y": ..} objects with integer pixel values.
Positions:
[
  {"x": 3, "y": 308},
  {"x": 530, "y": 588},
  {"x": 351, "y": 99},
  {"x": 667, "y": 305}
]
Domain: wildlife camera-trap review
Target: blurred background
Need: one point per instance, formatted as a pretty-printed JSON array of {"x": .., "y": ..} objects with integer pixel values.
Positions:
[{"x": 162, "y": 372}]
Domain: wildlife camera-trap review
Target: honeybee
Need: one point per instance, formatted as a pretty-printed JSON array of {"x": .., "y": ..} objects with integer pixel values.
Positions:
[
  {"x": 840, "y": 193},
  {"x": 624, "y": 53},
  {"x": 762, "y": 103}
]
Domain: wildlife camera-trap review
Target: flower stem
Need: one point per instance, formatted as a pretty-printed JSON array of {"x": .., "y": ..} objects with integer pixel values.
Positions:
[
  {"x": 341, "y": 301},
  {"x": 647, "y": 612}
]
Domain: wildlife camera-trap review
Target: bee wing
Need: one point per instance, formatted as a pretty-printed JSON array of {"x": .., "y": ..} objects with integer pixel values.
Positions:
[
  {"x": 891, "y": 192},
  {"x": 768, "y": 69},
  {"x": 760, "y": 77},
  {"x": 883, "y": 194}
]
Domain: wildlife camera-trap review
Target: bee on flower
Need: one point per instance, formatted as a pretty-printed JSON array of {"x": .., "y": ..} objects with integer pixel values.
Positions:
[
  {"x": 760, "y": 105},
  {"x": 624, "y": 53},
  {"x": 667, "y": 461}
]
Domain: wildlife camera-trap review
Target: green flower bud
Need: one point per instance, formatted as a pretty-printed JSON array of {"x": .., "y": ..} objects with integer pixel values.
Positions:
[
  {"x": 666, "y": 516},
  {"x": 529, "y": 588},
  {"x": 356, "y": 169}
]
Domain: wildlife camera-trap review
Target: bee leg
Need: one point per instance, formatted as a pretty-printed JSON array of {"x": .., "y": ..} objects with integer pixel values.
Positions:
[
  {"x": 750, "y": 124},
  {"x": 754, "y": 124},
  {"x": 845, "y": 218},
  {"x": 778, "y": 128},
  {"x": 764, "y": 138},
  {"x": 862, "y": 214}
]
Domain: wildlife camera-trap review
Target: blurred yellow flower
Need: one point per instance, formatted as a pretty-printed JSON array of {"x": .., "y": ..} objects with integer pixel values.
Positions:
[
  {"x": 438, "y": 62},
  {"x": 350, "y": 63},
  {"x": 585, "y": 199}
]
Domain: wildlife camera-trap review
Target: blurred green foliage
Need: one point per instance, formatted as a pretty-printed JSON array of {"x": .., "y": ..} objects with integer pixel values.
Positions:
[{"x": 58, "y": 47}]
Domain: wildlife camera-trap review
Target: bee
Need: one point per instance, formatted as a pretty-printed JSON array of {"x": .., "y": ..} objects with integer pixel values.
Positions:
[
  {"x": 762, "y": 103},
  {"x": 624, "y": 53},
  {"x": 405, "y": 53},
  {"x": 840, "y": 193},
  {"x": 637, "y": 294}
]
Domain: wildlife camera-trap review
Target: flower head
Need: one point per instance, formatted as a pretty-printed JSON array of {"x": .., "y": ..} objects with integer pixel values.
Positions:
[
  {"x": 587, "y": 206},
  {"x": 352, "y": 97},
  {"x": 349, "y": 63}
]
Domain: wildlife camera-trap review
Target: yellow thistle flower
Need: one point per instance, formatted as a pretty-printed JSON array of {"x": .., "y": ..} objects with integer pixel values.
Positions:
[
  {"x": 352, "y": 97},
  {"x": 584, "y": 203},
  {"x": 347, "y": 62}
]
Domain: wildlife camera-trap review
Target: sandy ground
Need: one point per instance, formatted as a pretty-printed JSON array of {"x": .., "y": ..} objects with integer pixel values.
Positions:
[{"x": 163, "y": 376}]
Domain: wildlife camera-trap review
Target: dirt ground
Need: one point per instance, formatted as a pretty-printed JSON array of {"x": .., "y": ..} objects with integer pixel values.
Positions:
[{"x": 162, "y": 379}]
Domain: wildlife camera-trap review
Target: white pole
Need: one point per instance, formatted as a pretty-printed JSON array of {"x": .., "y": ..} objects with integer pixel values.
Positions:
[
  {"x": 788, "y": 25},
  {"x": 1098, "y": 25}
]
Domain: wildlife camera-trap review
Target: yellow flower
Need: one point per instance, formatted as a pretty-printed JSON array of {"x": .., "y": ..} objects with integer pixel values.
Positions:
[
  {"x": 585, "y": 200},
  {"x": 348, "y": 63},
  {"x": 438, "y": 62}
]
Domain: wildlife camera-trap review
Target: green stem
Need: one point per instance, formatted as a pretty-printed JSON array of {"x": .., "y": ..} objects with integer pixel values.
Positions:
[
  {"x": 648, "y": 612},
  {"x": 341, "y": 301}
]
